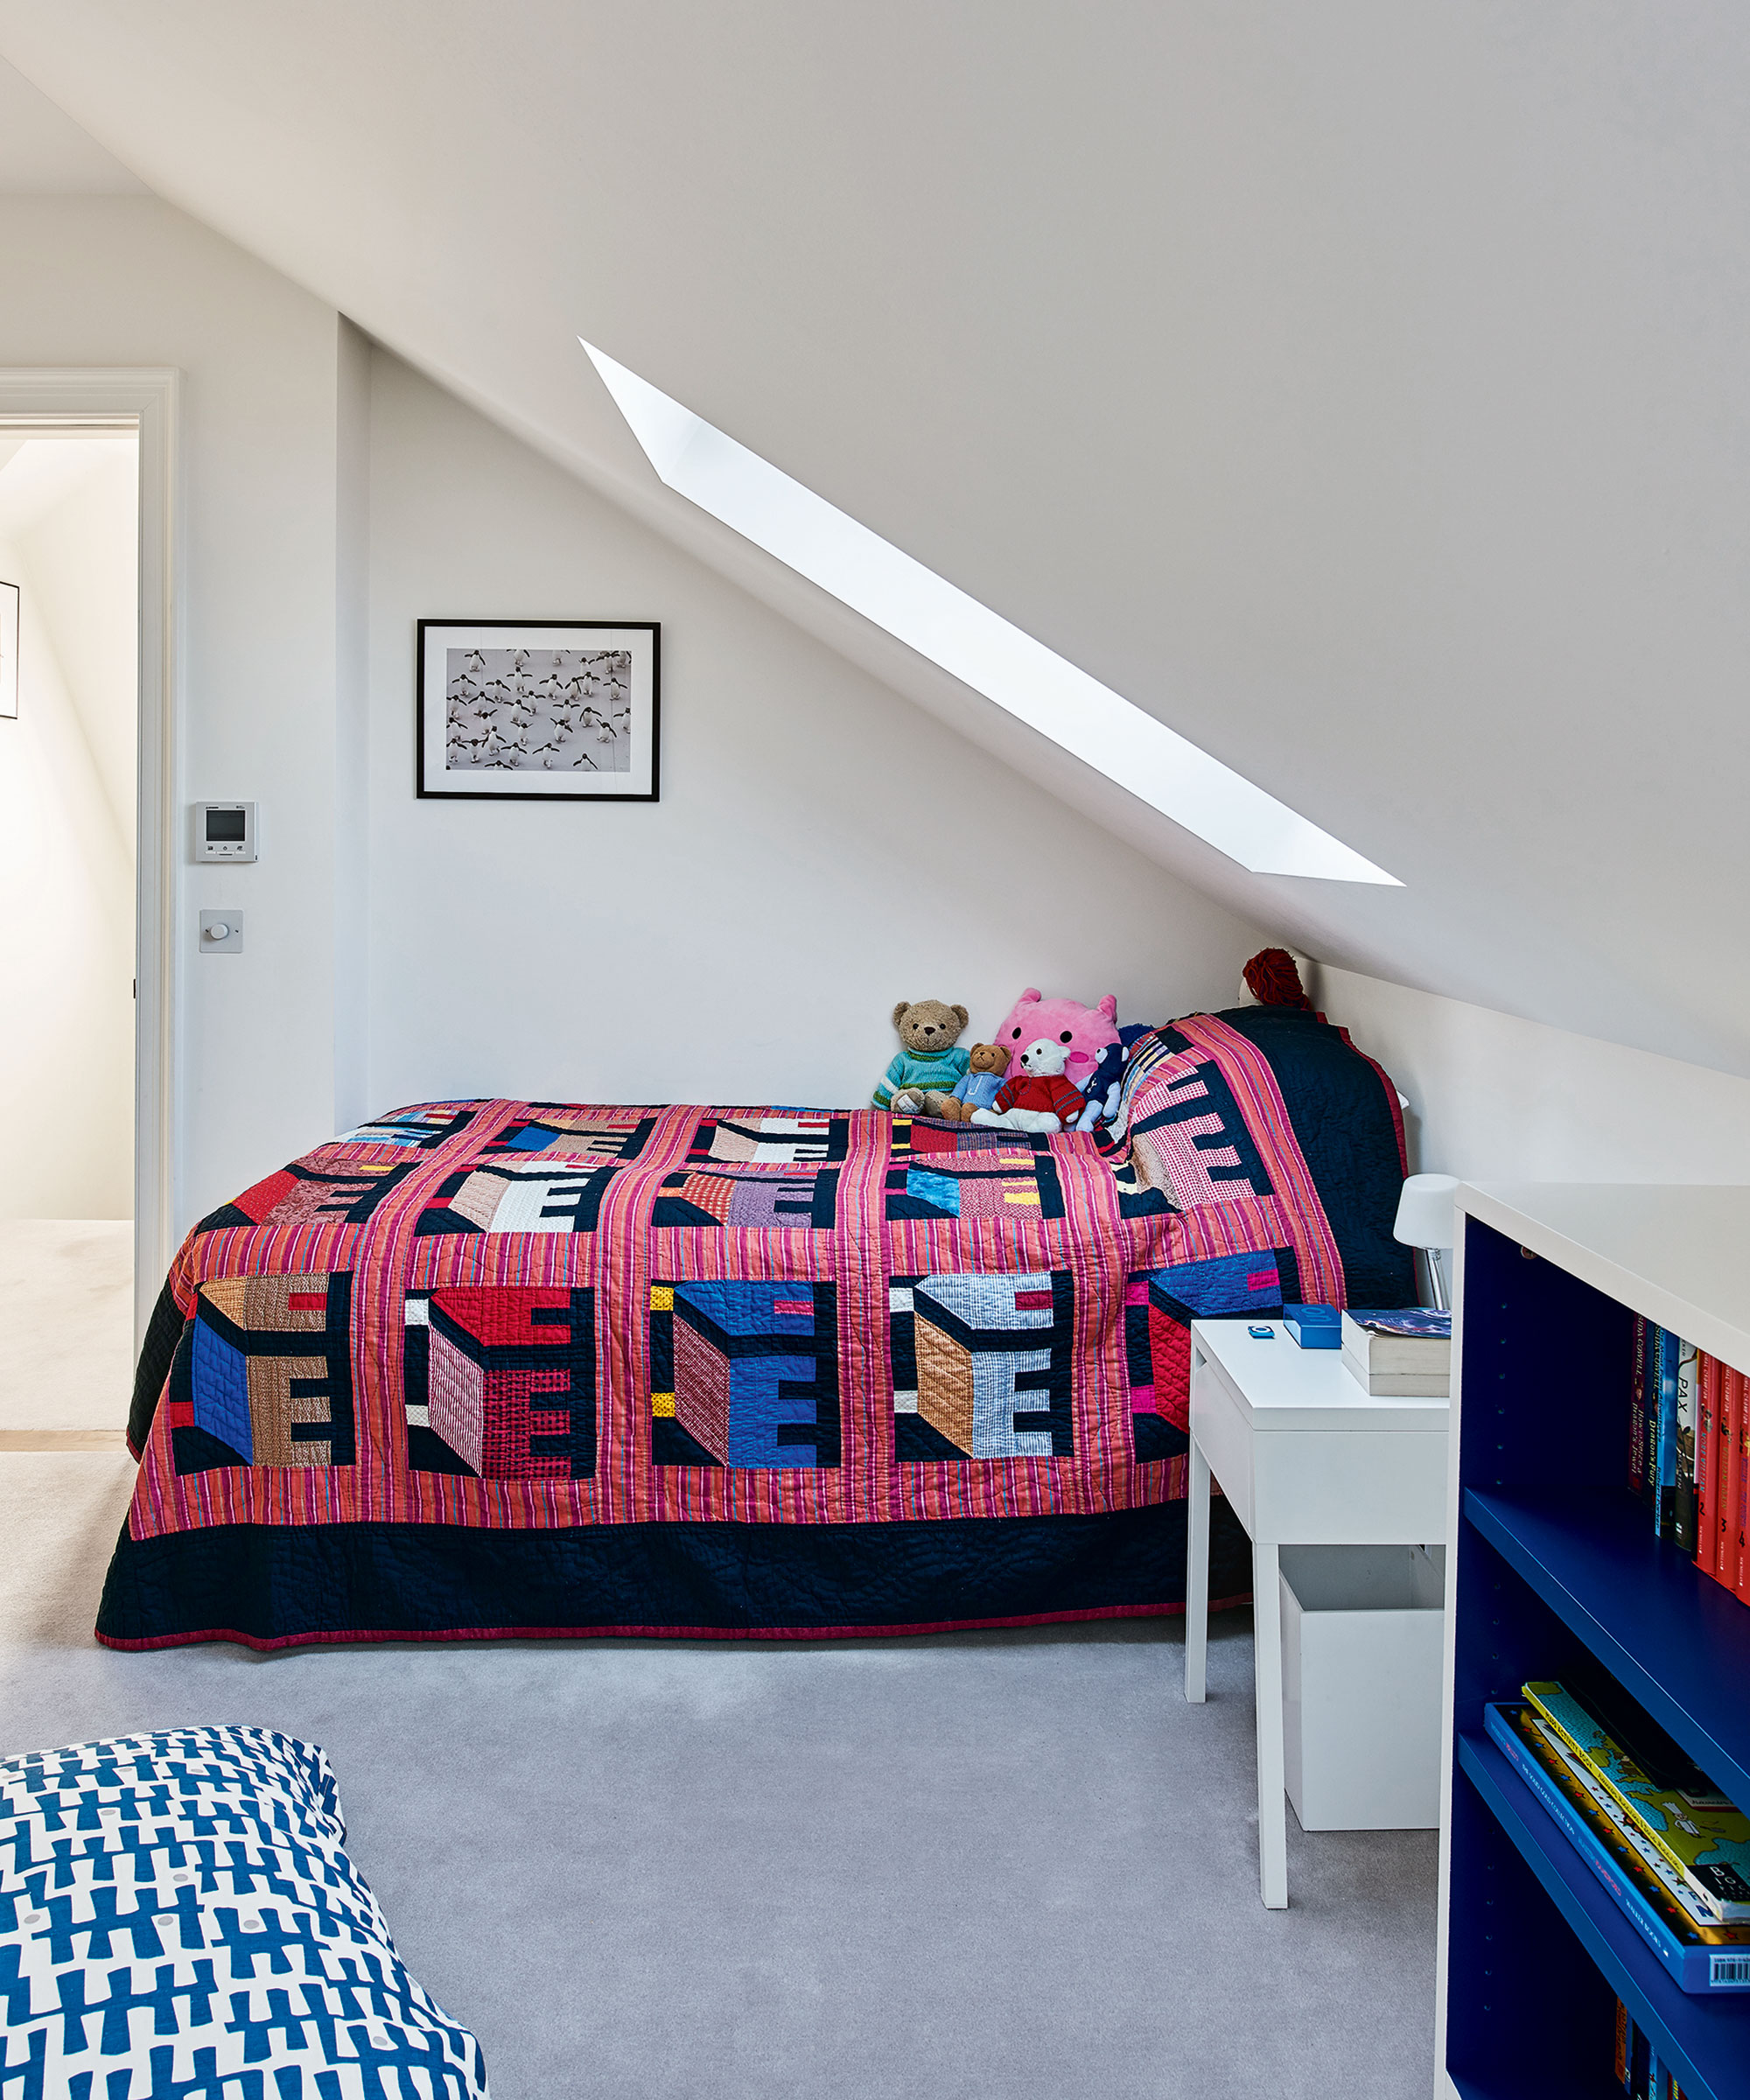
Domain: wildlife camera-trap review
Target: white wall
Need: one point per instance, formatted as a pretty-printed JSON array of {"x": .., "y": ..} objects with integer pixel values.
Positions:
[
  {"x": 1360, "y": 386},
  {"x": 67, "y": 512},
  {"x": 821, "y": 849},
  {"x": 127, "y": 281},
  {"x": 352, "y": 722},
  {"x": 44, "y": 153},
  {"x": 1496, "y": 1098},
  {"x": 72, "y": 505}
]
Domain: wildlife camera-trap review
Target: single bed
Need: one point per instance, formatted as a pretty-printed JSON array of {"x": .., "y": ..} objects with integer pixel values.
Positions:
[{"x": 501, "y": 1368}]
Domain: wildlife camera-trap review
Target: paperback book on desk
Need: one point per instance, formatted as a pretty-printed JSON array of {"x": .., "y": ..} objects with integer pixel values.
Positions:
[{"x": 1407, "y": 1352}]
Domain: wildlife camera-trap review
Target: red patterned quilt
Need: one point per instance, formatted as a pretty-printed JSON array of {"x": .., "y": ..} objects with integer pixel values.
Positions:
[{"x": 545, "y": 1320}]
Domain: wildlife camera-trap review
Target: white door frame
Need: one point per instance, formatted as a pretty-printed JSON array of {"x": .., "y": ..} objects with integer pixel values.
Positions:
[{"x": 149, "y": 397}]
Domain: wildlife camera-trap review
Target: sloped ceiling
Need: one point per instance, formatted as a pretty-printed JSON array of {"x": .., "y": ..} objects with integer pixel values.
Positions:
[
  {"x": 1360, "y": 387},
  {"x": 42, "y": 152}
]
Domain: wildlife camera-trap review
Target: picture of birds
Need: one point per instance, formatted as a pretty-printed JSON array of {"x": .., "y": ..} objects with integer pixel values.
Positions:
[{"x": 538, "y": 711}]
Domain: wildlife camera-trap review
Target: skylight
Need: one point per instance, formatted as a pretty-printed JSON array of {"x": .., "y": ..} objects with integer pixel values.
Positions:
[{"x": 977, "y": 646}]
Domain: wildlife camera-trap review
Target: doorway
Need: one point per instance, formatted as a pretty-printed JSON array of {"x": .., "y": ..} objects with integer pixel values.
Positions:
[
  {"x": 142, "y": 401},
  {"x": 69, "y": 768}
]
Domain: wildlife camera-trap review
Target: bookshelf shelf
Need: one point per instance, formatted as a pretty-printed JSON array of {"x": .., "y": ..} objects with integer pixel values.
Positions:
[
  {"x": 1554, "y": 1571},
  {"x": 1691, "y": 2031},
  {"x": 1670, "y": 1637}
]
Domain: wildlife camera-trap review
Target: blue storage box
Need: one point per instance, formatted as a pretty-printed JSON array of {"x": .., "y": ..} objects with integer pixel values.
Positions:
[{"x": 1314, "y": 1327}]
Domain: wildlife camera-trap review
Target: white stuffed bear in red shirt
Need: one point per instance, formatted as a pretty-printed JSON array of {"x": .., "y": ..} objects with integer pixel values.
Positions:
[{"x": 1038, "y": 1097}]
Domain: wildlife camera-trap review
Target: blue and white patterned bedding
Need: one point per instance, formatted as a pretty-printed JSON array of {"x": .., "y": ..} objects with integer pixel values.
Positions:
[{"x": 179, "y": 1921}]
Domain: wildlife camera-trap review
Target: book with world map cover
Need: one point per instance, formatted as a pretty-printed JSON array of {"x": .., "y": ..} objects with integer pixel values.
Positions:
[
  {"x": 1697, "y": 1952},
  {"x": 1680, "y": 1811}
]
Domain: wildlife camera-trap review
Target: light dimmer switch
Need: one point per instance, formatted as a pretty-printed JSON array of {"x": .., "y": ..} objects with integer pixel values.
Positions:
[{"x": 221, "y": 933}]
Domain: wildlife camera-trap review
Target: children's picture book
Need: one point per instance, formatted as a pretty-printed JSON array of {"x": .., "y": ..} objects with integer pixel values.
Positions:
[
  {"x": 1673, "y": 1804},
  {"x": 1698, "y": 1953}
]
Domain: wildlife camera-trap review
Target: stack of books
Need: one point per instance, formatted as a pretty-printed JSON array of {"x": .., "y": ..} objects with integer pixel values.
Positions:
[
  {"x": 1638, "y": 2069},
  {"x": 1407, "y": 1352},
  {"x": 1671, "y": 1849},
  {"x": 1689, "y": 1453}
]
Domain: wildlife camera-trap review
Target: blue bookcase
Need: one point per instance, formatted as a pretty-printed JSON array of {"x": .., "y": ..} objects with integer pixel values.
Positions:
[{"x": 1554, "y": 1572}]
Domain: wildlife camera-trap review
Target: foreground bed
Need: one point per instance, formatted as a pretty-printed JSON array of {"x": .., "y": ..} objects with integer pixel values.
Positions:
[{"x": 494, "y": 1367}]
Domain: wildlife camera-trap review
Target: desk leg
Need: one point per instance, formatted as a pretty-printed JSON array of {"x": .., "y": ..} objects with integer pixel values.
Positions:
[
  {"x": 1272, "y": 1800},
  {"x": 1196, "y": 1575}
]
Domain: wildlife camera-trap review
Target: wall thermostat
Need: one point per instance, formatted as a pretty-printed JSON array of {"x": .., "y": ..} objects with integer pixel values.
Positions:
[{"x": 224, "y": 830}]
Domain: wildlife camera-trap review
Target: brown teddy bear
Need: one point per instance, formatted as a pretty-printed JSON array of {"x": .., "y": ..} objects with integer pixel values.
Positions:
[
  {"x": 988, "y": 1062},
  {"x": 928, "y": 1031}
]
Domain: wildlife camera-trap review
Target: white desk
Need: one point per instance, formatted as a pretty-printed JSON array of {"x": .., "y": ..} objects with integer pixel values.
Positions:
[{"x": 1305, "y": 1457}]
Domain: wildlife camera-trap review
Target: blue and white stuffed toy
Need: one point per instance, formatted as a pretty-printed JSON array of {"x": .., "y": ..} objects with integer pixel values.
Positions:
[{"x": 1108, "y": 1077}]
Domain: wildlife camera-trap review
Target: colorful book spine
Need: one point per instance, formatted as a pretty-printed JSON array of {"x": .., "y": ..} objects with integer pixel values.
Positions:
[
  {"x": 1663, "y": 1401},
  {"x": 1683, "y": 1448},
  {"x": 1630, "y": 2060},
  {"x": 1643, "y": 2076},
  {"x": 1696, "y": 1830},
  {"x": 1637, "y": 1410},
  {"x": 1725, "y": 1475},
  {"x": 1706, "y": 1464},
  {"x": 1740, "y": 1437}
]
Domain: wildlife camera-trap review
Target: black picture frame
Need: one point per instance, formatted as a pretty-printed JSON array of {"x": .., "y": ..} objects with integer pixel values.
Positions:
[{"x": 434, "y": 743}]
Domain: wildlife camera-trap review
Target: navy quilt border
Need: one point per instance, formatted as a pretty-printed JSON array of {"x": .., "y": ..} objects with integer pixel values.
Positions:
[{"x": 270, "y": 1586}]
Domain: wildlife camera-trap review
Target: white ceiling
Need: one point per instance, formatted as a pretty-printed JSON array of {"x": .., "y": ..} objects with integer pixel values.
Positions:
[{"x": 1361, "y": 388}]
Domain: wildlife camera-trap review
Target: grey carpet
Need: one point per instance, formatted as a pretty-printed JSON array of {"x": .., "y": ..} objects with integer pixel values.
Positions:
[{"x": 1004, "y": 1866}]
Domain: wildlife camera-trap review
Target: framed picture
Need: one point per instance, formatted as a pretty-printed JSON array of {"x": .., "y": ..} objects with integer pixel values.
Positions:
[
  {"x": 557, "y": 711},
  {"x": 9, "y": 649}
]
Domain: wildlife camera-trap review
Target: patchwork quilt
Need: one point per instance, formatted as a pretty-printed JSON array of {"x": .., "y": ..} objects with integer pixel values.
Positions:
[{"x": 490, "y": 1367}]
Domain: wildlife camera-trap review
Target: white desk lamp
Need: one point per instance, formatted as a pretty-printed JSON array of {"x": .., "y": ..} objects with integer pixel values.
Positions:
[{"x": 1426, "y": 1219}]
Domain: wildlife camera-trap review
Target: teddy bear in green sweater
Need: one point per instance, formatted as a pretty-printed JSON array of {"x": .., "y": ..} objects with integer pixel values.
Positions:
[{"x": 928, "y": 1060}]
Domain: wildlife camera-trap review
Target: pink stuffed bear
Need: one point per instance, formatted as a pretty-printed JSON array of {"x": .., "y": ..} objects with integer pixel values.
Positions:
[{"x": 1083, "y": 1030}]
